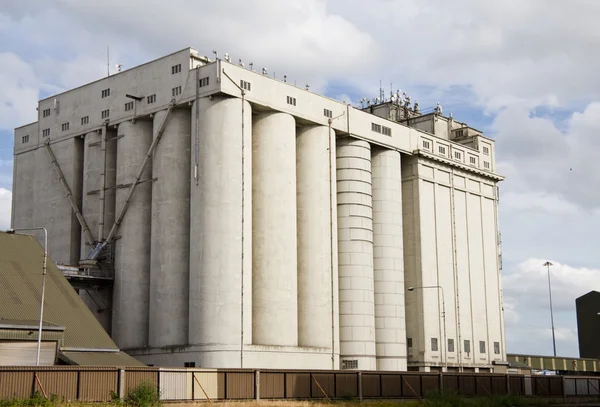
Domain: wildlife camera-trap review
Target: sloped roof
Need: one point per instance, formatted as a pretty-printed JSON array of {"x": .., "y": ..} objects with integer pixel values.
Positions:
[{"x": 21, "y": 259}]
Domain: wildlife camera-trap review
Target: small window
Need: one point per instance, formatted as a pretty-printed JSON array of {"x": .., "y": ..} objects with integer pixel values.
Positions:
[
  {"x": 46, "y": 113},
  {"x": 85, "y": 120},
  {"x": 458, "y": 155},
  {"x": 473, "y": 160},
  {"x": 106, "y": 93},
  {"x": 203, "y": 82},
  {"x": 426, "y": 145},
  {"x": 189, "y": 364},
  {"x": 481, "y": 346},
  {"x": 497, "y": 348},
  {"x": 45, "y": 132},
  {"x": 105, "y": 113},
  {"x": 245, "y": 85},
  {"x": 350, "y": 364},
  {"x": 327, "y": 113},
  {"x": 151, "y": 99},
  {"x": 486, "y": 150},
  {"x": 467, "y": 346},
  {"x": 386, "y": 131},
  {"x": 450, "y": 345},
  {"x": 459, "y": 133},
  {"x": 291, "y": 101},
  {"x": 65, "y": 126},
  {"x": 175, "y": 69},
  {"x": 434, "y": 344},
  {"x": 25, "y": 139},
  {"x": 442, "y": 150},
  {"x": 376, "y": 127},
  {"x": 176, "y": 91},
  {"x": 409, "y": 342},
  {"x": 128, "y": 106},
  {"x": 486, "y": 165}
]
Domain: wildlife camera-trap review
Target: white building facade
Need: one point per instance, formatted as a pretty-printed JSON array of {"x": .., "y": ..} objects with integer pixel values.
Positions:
[{"x": 246, "y": 222}]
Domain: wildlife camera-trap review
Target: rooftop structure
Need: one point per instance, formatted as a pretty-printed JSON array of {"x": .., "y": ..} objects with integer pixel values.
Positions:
[{"x": 246, "y": 222}]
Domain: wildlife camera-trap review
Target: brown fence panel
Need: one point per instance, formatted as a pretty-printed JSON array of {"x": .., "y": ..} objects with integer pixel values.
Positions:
[
  {"x": 297, "y": 385},
  {"x": 97, "y": 385},
  {"x": 411, "y": 386},
  {"x": 391, "y": 385},
  {"x": 240, "y": 385},
  {"x": 272, "y": 385},
  {"x": 15, "y": 385},
  {"x": 517, "y": 385},
  {"x": 346, "y": 385},
  {"x": 430, "y": 384},
  {"x": 133, "y": 378},
  {"x": 541, "y": 386},
  {"x": 62, "y": 384},
  {"x": 483, "y": 385},
  {"x": 499, "y": 385},
  {"x": 450, "y": 383},
  {"x": 371, "y": 385},
  {"x": 466, "y": 385},
  {"x": 556, "y": 386},
  {"x": 327, "y": 383}
]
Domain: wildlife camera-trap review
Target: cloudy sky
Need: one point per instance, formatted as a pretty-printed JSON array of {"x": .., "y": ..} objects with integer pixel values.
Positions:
[{"x": 526, "y": 73}]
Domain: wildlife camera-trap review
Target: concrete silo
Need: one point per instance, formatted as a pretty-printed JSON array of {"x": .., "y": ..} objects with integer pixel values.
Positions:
[
  {"x": 274, "y": 254},
  {"x": 170, "y": 247},
  {"x": 132, "y": 249}
]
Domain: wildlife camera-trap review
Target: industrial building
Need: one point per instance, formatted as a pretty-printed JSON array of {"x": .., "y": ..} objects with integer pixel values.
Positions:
[
  {"x": 247, "y": 222},
  {"x": 588, "y": 324},
  {"x": 69, "y": 333}
]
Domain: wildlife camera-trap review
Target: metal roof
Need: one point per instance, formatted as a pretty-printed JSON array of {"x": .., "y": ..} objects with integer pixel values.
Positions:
[
  {"x": 21, "y": 258},
  {"x": 99, "y": 359}
]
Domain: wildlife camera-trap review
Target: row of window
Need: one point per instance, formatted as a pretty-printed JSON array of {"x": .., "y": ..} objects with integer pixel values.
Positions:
[
  {"x": 245, "y": 85},
  {"x": 202, "y": 82},
  {"x": 291, "y": 101},
  {"x": 467, "y": 345},
  {"x": 378, "y": 128},
  {"x": 176, "y": 91},
  {"x": 328, "y": 113},
  {"x": 25, "y": 139},
  {"x": 458, "y": 154}
]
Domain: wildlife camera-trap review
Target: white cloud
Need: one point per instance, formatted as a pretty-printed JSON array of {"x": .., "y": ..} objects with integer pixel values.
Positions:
[
  {"x": 5, "y": 204},
  {"x": 18, "y": 91}
]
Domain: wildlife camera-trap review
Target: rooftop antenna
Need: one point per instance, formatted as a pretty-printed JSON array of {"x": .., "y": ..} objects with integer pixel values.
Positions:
[
  {"x": 118, "y": 67},
  {"x": 227, "y": 58},
  {"x": 107, "y": 60},
  {"x": 307, "y": 86},
  {"x": 285, "y": 78},
  {"x": 241, "y": 63},
  {"x": 381, "y": 92},
  {"x": 216, "y": 54},
  {"x": 251, "y": 64},
  {"x": 265, "y": 71}
]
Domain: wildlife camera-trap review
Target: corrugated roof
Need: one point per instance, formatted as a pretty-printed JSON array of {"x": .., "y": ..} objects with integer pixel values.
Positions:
[
  {"x": 21, "y": 259},
  {"x": 99, "y": 359}
]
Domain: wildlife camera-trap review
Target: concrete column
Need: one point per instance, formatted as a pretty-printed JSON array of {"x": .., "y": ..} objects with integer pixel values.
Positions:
[
  {"x": 390, "y": 328},
  {"x": 313, "y": 197},
  {"x": 355, "y": 246},
  {"x": 216, "y": 223},
  {"x": 170, "y": 254},
  {"x": 132, "y": 248},
  {"x": 275, "y": 294}
]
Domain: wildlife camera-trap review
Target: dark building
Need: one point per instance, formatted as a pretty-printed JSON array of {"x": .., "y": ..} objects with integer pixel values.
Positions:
[{"x": 588, "y": 324}]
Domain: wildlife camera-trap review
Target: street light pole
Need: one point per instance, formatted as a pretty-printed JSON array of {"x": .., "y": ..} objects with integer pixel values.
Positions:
[
  {"x": 443, "y": 315},
  {"x": 548, "y": 264},
  {"x": 39, "y": 341}
]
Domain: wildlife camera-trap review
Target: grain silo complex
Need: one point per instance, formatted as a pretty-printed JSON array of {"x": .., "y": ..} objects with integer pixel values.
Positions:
[{"x": 214, "y": 216}]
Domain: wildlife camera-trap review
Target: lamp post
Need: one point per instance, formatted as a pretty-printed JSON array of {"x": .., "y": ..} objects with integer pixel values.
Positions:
[
  {"x": 39, "y": 341},
  {"x": 443, "y": 315},
  {"x": 548, "y": 264}
]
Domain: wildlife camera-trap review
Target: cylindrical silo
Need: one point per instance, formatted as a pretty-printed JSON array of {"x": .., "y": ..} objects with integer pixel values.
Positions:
[
  {"x": 216, "y": 223},
  {"x": 313, "y": 198},
  {"x": 388, "y": 257},
  {"x": 170, "y": 247},
  {"x": 274, "y": 251},
  {"x": 132, "y": 246},
  {"x": 355, "y": 254}
]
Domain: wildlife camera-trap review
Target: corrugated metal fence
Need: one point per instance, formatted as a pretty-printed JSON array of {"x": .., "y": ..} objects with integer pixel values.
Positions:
[{"x": 100, "y": 383}]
